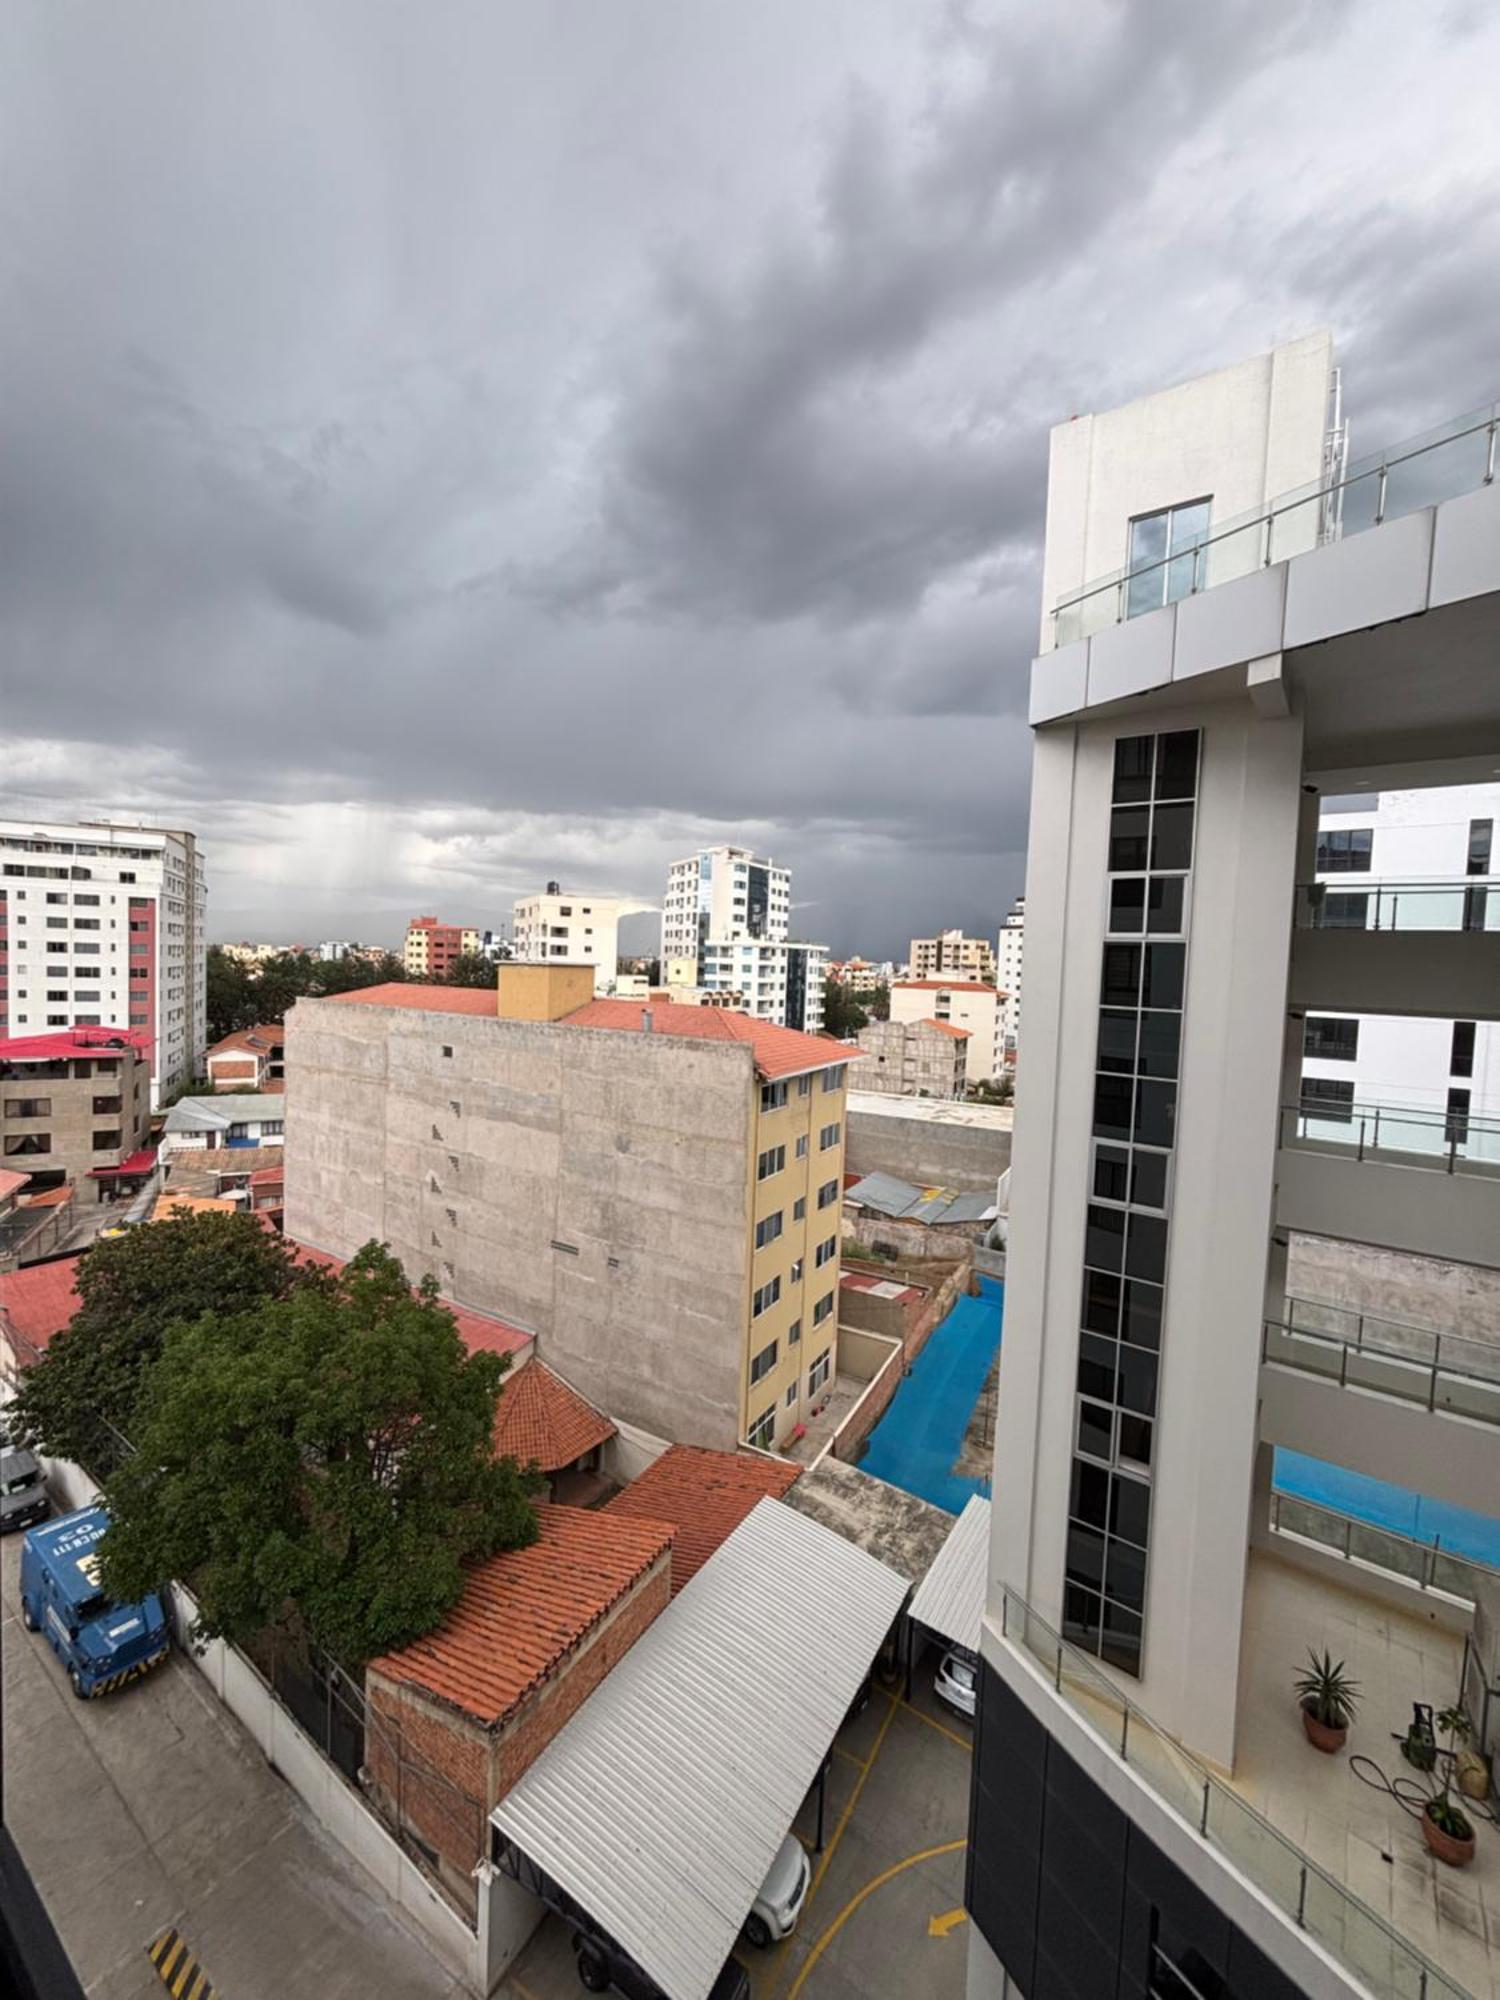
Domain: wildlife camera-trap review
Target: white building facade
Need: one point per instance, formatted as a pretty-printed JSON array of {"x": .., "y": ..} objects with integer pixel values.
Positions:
[
  {"x": 724, "y": 932},
  {"x": 1009, "y": 958},
  {"x": 958, "y": 1003},
  {"x": 574, "y": 927},
  {"x": 1146, "y": 1818},
  {"x": 105, "y": 926}
]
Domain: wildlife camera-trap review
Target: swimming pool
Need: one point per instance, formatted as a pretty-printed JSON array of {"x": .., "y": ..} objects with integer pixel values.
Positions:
[{"x": 916, "y": 1442}]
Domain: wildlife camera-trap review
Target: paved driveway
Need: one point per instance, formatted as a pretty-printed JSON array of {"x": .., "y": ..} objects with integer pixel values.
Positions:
[
  {"x": 150, "y": 1807},
  {"x": 885, "y": 1914}
]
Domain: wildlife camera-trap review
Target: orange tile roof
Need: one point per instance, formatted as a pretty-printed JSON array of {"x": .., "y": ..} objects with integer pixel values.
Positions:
[
  {"x": 57, "y": 1197},
  {"x": 167, "y": 1205},
  {"x": 943, "y": 986},
  {"x": 541, "y": 1420},
  {"x": 523, "y": 1611},
  {"x": 11, "y": 1184},
  {"x": 423, "y": 999},
  {"x": 705, "y": 1495},
  {"x": 481, "y": 1332},
  {"x": 38, "y": 1301},
  {"x": 777, "y": 1051},
  {"x": 947, "y": 1028},
  {"x": 252, "y": 1041}
]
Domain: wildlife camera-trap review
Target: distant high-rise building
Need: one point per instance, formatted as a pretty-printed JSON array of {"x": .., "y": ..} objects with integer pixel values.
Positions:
[
  {"x": 103, "y": 924},
  {"x": 1012, "y": 945},
  {"x": 432, "y": 948},
  {"x": 953, "y": 954},
  {"x": 573, "y": 926},
  {"x": 724, "y": 929}
]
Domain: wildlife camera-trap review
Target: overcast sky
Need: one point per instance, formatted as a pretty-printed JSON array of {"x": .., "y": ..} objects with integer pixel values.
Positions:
[{"x": 447, "y": 446}]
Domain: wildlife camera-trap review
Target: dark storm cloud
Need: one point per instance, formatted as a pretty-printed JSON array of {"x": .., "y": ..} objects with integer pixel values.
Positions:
[{"x": 441, "y": 453}]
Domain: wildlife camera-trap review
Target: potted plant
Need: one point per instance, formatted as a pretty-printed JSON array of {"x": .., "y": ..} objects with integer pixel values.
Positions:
[
  {"x": 1329, "y": 1700},
  {"x": 1448, "y": 1830}
]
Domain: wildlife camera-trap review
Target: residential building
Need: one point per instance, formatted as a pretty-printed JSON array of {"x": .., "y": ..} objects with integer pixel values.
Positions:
[
  {"x": 652, "y": 1190},
  {"x": 956, "y": 1003},
  {"x": 773, "y": 982},
  {"x": 951, "y": 952},
  {"x": 924, "y": 1058},
  {"x": 75, "y": 1109},
  {"x": 432, "y": 949},
  {"x": 245, "y": 953},
  {"x": 1009, "y": 955},
  {"x": 861, "y": 975},
  {"x": 103, "y": 926},
  {"x": 249, "y": 1060},
  {"x": 29, "y": 1228},
  {"x": 574, "y": 926},
  {"x": 228, "y": 1119},
  {"x": 1215, "y": 660},
  {"x": 724, "y": 925}
]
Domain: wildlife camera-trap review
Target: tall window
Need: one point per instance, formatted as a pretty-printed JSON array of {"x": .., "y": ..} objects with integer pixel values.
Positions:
[
  {"x": 1456, "y": 1132},
  {"x": 1476, "y": 901},
  {"x": 1461, "y": 1060},
  {"x": 1167, "y": 559}
]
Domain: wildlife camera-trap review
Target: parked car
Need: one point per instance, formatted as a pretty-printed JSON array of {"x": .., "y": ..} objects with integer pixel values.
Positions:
[
  {"x": 775, "y": 1911},
  {"x": 102, "y": 1645},
  {"x": 957, "y": 1680},
  {"x": 23, "y": 1496},
  {"x": 604, "y": 1968}
]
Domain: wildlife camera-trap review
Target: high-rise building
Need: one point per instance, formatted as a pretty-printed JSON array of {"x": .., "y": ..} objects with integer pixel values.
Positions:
[
  {"x": 573, "y": 926},
  {"x": 724, "y": 929},
  {"x": 1008, "y": 961},
  {"x": 1215, "y": 658},
  {"x": 102, "y": 924},
  {"x": 433, "y": 949},
  {"x": 952, "y": 953}
]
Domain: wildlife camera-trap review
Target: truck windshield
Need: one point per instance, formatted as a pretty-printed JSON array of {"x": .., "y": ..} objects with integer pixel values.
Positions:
[
  {"x": 19, "y": 1483},
  {"x": 91, "y": 1607}
]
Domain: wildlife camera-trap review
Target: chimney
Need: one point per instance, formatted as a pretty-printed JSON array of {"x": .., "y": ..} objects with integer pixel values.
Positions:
[{"x": 646, "y": 1020}]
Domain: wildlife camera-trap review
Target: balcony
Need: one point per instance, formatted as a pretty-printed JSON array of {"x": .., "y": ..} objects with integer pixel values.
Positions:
[
  {"x": 1457, "y": 458},
  {"x": 1400, "y": 1135},
  {"x": 1442, "y": 1373}
]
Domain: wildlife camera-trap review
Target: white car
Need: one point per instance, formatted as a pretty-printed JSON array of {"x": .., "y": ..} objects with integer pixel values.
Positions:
[
  {"x": 775, "y": 1911},
  {"x": 955, "y": 1682}
]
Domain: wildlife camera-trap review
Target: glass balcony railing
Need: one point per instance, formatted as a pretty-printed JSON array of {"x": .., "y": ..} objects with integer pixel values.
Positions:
[
  {"x": 1400, "y": 1135},
  {"x": 1375, "y": 1954},
  {"x": 1456, "y": 458},
  {"x": 1428, "y": 1565},
  {"x": 1446, "y": 1373},
  {"x": 1466, "y": 903}
]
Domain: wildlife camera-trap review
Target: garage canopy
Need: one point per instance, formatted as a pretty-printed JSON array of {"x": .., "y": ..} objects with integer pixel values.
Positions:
[
  {"x": 660, "y": 1806},
  {"x": 950, "y": 1598}
]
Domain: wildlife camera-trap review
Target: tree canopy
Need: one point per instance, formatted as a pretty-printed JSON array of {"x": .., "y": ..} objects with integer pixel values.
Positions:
[
  {"x": 243, "y": 996},
  {"x": 323, "y": 1459},
  {"x": 81, "y": 1398},
  {"x": 843, "y": 1012}
]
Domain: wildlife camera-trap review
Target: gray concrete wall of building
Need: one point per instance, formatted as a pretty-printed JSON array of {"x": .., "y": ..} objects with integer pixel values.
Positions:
[
  {"x": 1432, "y": 1292},
  {"x": 591, "y": 1186},
  {"x": 969, "y": 1154}
]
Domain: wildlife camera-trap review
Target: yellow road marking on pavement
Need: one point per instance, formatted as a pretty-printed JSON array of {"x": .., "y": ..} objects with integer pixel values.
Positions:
[
  {"x": 849, "y": 1757},
  {"x": 524, "y": 1991},
  {"x": 963, "y": 1742},
  {"x": 877, "y": 1882},
  {"x": 177, "y": 1968},
  {"x": 949, "y": 1920}
]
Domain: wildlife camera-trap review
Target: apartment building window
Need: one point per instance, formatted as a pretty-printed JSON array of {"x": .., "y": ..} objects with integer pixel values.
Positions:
[
  {"x": 1166, "y": 556},
  {"x": 791, "y": 1396},
  {"x": 18, "y": 1143},
  {"x": 794, "y": 1333},
  {"x": 1328, "y": 1097},
  {"x": 833, "y": 1079},
  {"x": 57, "y": 895},
  {"x": 106, "y": 1142},
  {"x": 28, "y": 1107},
  {"x": 57, "y": 923},
  {"x": 823, "y": 1308},
  {"x": 828, "y": 1193},
  {"x": 763, "y": 1363},
  {"x": 765, "y": 1297},
  {"x": 772, "y": 1096},
  {"x": 1476, "y": 901},
  {"x": 767, "y": 1230},
  {"x": 799, "y": 1206},
  {"x": 1461, "y": 1059},
  {"x": 804, "y": 1086},
  {"x": 1456, "y": 1126},
  {"x": 1346, "y": 850},
  {"x": 763, "y": 1430},
  {"x": 771, "y": 1161},
  {"x": 56, "y": 993},
  {"x": 829, "y": 1136},
  {"x": 802, "y": 1146},
  {"x": 1328, "y": 1040},
  {"x": 825, "y": 1253},
  {"x": 795, "y": 1275},
  {"x": 104, "y": 1105},
  {"x": 818, "y": 1374}
]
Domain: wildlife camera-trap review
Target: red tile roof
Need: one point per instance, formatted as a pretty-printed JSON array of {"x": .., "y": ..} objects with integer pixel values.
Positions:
[
  {"x": 541, "y": 1420},
  {"x": 423, "y": 999},
  {"x": 947, "y": 1028},
  {"x": 481, "y": 1332},
  {"x": 705, "y": 1495},
  {"x": 253, "y": 1041},
  {"x": 943, "y": 986},
  {"x": 777, "y": 1051},
  {"x": 523, "y": 1611},
  {"x": 11, "y": 1184},
  {"x": 37, "y": 1301}
]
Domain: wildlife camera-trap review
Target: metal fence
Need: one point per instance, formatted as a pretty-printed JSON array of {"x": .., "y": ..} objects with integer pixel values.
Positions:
[
  {"x": 1441, "y": 1372},
  {"x": 1446, "y": 1142},
  {"x": 1364, "y": 1545}
]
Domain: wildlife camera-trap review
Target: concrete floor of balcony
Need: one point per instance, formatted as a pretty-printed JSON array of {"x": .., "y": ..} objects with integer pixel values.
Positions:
[
  {"x": 842, "y": 1394},
  {"x": 1358, "y": 1832}
]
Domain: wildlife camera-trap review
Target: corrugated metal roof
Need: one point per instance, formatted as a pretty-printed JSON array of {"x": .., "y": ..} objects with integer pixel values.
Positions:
[
  {"x": 889, "y": 1196},
  {"x": 950, "y": 1598},
  {"x": 662, "y": 1803},
  {"x": 885, "y": 1193},
  {"x": 197, "y": 1114}
]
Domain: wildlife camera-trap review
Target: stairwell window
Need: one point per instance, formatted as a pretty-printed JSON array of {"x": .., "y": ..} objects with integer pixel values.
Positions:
[
  {"x": 829, "y": 1136},
  {"x": 1168, "y": 559}
]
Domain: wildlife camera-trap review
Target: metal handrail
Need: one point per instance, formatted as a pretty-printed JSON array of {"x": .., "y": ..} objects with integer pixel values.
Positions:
[
  {"x": 1485, "y": 423},
  {"x": 1377, "y": 1364},
  {"x": 1473, "y": 899},
  {"x": 1417, "y": 1562},
  {"x": 1411, "y": 1971},
  {"x": 1457, "y": 1130}
]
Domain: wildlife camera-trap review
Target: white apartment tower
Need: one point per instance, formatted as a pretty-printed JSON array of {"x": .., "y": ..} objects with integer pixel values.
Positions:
[
  {"x": 1009, "y": 955},
  {"x": 1236, "y": 625},
  {"x": 103, "y": 924},
  {"x": 574, "y": 927},
  {"x": 724, "y": 926}
]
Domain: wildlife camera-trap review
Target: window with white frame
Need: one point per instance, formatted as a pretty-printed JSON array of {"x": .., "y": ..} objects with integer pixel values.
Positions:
[
  {"x": 767, "y": 1230},
  {"x": 771, "y": 1161},
  {"x": 772, "y": 1096},
  {"x": 1167, "y": 556},
  {"x": 765, "y": 1297},
  {"x": 826, "y": 1252},
  {"x": 818, "y": 1374},
  {"x": 763, "y": 1363},
  {"x": 828, "y": 1193}
]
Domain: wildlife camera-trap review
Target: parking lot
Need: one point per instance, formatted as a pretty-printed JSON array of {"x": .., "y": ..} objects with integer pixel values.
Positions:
[{"x": 884, "y": 1914}]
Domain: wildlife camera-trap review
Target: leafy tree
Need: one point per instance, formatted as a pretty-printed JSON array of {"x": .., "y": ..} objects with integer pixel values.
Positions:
[
  {"x": 878, "y": 1000},
  {"x": 472, "y": 969},
  {"x": 245, "y": 996},
  {"x": 843, "y": 1015},
  {"x": 83, "y": 1396},
  {"x": 324, "y": 1461}
]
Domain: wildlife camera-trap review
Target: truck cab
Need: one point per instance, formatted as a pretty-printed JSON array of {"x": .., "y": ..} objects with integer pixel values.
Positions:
[
  {"x": 23, "y": 1495},
  {"x": 102, "y": 1645}
]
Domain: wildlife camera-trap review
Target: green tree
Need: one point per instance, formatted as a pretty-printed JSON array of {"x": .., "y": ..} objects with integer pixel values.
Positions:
[
  {"x": 878, "y": 1000},
  {"x": 324, "y": 1461},
  {"x": 472, "y": 969},
  {"x": 843, "y": 1015},
  {"x": 229, "y": 997},
  {"x": 82, "y": 1397}
]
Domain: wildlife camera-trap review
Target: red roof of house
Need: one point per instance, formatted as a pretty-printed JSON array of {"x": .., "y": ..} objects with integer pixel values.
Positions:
[
  {"x": 481, "y": 1332},
  {"x": 777, "y": 1051},
  {"x": 57, "y": 1197},
  {"x": 944, "y": 986},
  {"x": 268, "y": 1177},
  {"x": 523, "y": 1611},
  {"x": 947, "y": 1028},
  {"x": 428, "y": 999},
  {"x": 11, "y": 1184},
  {"x": 541, "y": 1420},
  {"x": 705, "y": 1495},
  {"x": 73, "y": 1042},
  {"x": 37, "y": 1301},
  {"x": 258, "y": 1040}
]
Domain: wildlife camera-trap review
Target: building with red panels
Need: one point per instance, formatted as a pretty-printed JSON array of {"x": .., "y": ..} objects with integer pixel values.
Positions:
[
  {"x": 433, "y": 949},
  {"x": 75, "y": 1110}
]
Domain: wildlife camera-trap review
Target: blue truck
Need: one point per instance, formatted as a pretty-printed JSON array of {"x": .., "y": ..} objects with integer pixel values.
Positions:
[{"x": 102, "y": 1645}]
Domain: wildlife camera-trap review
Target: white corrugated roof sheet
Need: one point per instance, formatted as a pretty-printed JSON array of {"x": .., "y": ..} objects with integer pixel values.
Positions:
[
  {"x": 660, "y": 1806},
  {"x": 950, "y": 1598}
]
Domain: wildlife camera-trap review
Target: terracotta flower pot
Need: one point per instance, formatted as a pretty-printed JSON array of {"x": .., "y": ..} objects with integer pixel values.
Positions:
[
  {"x": 1446, "y": 1846},
  {"x": 1319, "y": 1734}
]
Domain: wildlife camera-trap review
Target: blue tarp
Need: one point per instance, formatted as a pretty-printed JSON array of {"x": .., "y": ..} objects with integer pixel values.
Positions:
[
  {"x": 1458, "y": 1529},
  {"x": 917, "y": 1440}
]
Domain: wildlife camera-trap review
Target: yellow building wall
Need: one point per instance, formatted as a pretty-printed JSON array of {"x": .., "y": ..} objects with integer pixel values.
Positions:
[
  {"x": 782, "y": 1390},
  {"x": 533, "y": 991},
  {"x": 415, "y": 956}
]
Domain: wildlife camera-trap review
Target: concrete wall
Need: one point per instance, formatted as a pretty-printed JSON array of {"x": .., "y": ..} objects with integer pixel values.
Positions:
[
  {"x": 911, "y": 1059},
  {"x": 968, "y": 1153},
  {"x": 71, "y": 1121},
  {"x": 1431, "y": 1292},
  {"x": 588, "y": 1185},
  {"x": 910, "y": 1239},
  {"x": 886, "y": 1362}
]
